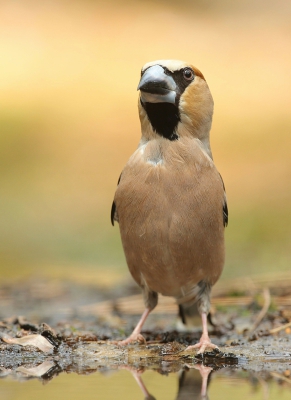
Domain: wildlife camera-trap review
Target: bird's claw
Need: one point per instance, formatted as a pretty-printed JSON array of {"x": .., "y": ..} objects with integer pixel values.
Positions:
[
  {"x": 203, "y": 345},
  {"x": 131, "y": 339}
]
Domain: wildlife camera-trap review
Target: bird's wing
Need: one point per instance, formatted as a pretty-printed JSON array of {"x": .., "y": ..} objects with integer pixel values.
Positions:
[
  {"x": 225, "y": 213},
  {"x": 114, "y": 214},
  {"x": 224, "y": 208}
]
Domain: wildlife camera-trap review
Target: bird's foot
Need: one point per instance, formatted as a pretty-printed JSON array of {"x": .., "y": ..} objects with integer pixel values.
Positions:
[
  {"x": 204, "y": 343},
  {"x": 133, "y": 338},
  {"x": 204, "y": 371}
]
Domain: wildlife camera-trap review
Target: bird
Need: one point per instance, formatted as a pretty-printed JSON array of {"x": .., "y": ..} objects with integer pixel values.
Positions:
[{"x": 170, "y": 200}]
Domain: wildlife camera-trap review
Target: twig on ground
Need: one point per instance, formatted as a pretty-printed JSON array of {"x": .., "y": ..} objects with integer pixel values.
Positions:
[
  {"x": 281, "y": 377},
  {"x": 280, "y": 328},
  {"x": 264, "y": 310}
]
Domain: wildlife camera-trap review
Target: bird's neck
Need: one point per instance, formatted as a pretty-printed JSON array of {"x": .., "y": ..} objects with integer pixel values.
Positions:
[{"x": 184, "y": 129}]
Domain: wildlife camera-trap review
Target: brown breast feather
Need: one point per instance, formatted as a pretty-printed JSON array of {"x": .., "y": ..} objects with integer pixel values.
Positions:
[{"x": 169, "y": 203}]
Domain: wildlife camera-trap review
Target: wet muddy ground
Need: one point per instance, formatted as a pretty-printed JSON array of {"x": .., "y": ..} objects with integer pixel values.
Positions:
[{"x": 48, "y": 327}]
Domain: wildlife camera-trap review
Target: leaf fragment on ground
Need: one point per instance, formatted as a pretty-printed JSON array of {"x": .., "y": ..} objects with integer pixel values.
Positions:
[
  {"x": 38, "y": 371},
  {"x": 30, "y": 340}
]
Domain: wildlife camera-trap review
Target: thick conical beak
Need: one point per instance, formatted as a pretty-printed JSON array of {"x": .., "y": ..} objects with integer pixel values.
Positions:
[{"x": 157, "y": 87}]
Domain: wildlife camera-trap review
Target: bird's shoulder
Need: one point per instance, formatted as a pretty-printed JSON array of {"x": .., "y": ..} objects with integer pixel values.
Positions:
[
  {"x": 170, "y": 169},
  {"x": 182, "y": 164}
]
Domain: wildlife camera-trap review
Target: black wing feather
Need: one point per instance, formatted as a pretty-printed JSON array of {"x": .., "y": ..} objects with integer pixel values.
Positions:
[
  {"x": 113, "y": 207},
  {"x": 225, "y": 213},
  {"x": 224, "y": 207}
]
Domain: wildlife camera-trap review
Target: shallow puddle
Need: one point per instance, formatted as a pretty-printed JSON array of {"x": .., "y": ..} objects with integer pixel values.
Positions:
[
  {"x": 76, "y": 357},
  {"x": 227, "y": 384}
]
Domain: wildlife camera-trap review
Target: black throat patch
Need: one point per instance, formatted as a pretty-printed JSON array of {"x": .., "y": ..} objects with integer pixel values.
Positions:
[{"x": 164, "y": 118}]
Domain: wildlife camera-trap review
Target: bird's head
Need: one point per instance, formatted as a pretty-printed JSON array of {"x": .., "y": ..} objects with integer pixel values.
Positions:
[{"x": 175, "y": 101}]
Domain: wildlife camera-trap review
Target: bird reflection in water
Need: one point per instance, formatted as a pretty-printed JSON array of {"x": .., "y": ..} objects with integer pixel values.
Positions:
[
  {"x": 193, "y": 383},
  {"x": 190, "y": 385}
]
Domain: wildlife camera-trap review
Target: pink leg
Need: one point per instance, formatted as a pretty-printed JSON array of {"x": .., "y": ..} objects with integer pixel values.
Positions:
[
  {"x": 136, "y": 336},
  {"x": 137, "y": 376},
  {"x": 204, "y": 372},
  {"x": 204, "y": 341},
  {"x": 144, "y": 390}
]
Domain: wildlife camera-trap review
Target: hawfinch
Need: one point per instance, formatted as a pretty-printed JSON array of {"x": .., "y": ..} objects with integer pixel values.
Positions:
[{"x": 170, "y": 200}]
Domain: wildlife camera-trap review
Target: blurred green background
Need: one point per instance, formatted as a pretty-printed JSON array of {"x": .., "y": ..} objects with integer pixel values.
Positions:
[{"x": 68, "y": 123}]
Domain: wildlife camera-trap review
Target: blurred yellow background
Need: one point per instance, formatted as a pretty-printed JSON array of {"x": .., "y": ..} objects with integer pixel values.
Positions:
[{"x": 68, "y": 123}]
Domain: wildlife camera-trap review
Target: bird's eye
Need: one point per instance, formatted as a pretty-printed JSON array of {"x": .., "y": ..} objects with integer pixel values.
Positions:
[{"x": 188, "y": 74}]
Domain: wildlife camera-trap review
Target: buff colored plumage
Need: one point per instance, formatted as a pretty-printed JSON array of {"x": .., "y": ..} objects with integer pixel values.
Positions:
[{"x": 170, "y": 200}]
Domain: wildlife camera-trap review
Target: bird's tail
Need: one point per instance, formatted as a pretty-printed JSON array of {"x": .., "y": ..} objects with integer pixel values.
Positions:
[
  {"x": 194, "y": 302},
  {"x": 189, "y": 316}
]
